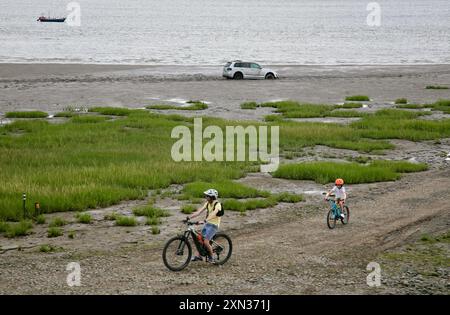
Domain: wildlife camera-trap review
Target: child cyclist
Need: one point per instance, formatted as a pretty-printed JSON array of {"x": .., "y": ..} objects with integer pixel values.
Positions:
[{"x": 340, "y": 195}]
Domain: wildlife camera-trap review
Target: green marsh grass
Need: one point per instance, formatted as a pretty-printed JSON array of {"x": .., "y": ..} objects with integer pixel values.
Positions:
[
  {"x": 155, "y": 230},
  {"x": 227, "y": 189},
  {"x": 40, "y": 219},
  {"x": 194, "y": 105},
  {"x": 21, "y": 228},
  {"x": 66, "y": 114},
  {"x": 358, "y": 98},
  {"x": 401, "y": 101},
  {"x": 47, "y": 248},
  {"x": 188, "y": 209},
  {"x": 126, "y": 221},
  {"x": 150, "y": 211},
  {"x": 350, "y": 105},
  {"x": 26, "y": 114},
  {"x": 85, "y": 218},
  {"x": 153, "y": 221},
  {"x": 54, "y": 232},
  {"x": 56, "y": 222},
  {"x": 75, "y": 166},
  {"x": 352, "y": 173},
  {"x": 249, "y": 105},
  {"x": 248, "y": 204},
  {"x": 288, "y": 197},
  {"x": 436, "y": 87},
  {"x": 89, "y": 161},
  {"x": 113, "y": 111}
]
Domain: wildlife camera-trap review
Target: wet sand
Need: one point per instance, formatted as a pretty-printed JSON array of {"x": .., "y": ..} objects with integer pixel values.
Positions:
[{"x": 53, "y": 87}]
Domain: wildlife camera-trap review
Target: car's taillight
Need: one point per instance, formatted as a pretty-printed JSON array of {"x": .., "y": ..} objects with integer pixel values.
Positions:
[{"x": 228, "y": 69}]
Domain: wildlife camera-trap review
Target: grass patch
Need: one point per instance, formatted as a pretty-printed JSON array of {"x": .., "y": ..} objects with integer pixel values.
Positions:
[
  {"x": 54, "y": 232},
  {"x": 188, "y": 209},
  {"x": 47, "y": 248},
  {"x": 358, "y": 98},
  {"x": 350, "y": 105},
  {"x": 56, "y": 222},
  {"x": 352, "y": 173},
  {"x": 85, "y": 218},
  {"x": 249, "y": 105},
  {"x": 153, "y": 221},
  {"x": 155, "y": 230},
  {"x": 436, "y": 87},
  {"x": 66, "y": 114},
  {"x": 401, "y": 124},
  {"x": 3, "y": 227},
  {"x": 288, "y": 197},
  {"x": 249, "y": 204},
  {"x": 21, "y": 228},
  {"x": 71, "y": 235},
  {"x": 194, "y": 105},
  {"x": 401, "y": 101},
  {"x": 226, "y": 189},
  {"x": 40, "y": 219},
  {"x": 410, "y": 106},
  {"x": 26, "y": 114},
  {"x": 88, "y": 119},
  {"x": 126, "y": 221},
  {"x": 150, "y": 211},
  {"x": 110, "y": 217},
  {"x": 111, "y": 111}
]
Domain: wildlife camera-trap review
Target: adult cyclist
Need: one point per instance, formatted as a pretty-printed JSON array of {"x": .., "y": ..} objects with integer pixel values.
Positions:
[{"x": 212, "y": 206}]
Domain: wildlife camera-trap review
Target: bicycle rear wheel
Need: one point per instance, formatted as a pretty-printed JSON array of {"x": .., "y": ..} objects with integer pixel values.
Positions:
[
  {"x": 177, "y": 253},
  {"x": 331, "y": 219},
  {"x": 222, "y": 248},
  {"x": 346, "y": 212}
]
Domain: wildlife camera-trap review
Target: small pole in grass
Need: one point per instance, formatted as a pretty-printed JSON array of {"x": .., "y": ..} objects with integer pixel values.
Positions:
[
  {"x": 24, "y": 199},
  {"x": 37, "y": 209}
]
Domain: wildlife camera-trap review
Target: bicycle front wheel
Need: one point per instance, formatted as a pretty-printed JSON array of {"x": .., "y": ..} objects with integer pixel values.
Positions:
[
  {"x": 346, "y": 215},
  {"x": 177, "y": 253},
  {"x": 222, "y": 248},
  {"x": 331, "y": 219}
]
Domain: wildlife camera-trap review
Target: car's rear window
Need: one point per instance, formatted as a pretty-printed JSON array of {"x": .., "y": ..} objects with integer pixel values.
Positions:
[
  {"x": 238, "y": 65},
  {"x": 228, "y": 64}
]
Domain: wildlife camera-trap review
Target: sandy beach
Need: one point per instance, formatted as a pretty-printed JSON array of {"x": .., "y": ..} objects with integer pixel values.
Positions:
[{"x": 53, "y": 87}]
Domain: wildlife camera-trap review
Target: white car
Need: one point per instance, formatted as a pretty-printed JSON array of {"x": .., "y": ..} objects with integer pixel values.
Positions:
[{"x": 239, "y": 70}]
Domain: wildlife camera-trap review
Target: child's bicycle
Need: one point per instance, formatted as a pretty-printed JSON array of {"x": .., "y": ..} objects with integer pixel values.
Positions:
[
  {"x": 335, "y": 214},
  {"x": 177, "y": 252}
]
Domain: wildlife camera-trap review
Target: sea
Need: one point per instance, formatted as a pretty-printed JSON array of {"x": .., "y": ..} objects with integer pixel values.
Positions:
[{"x": 212, "y": 32}]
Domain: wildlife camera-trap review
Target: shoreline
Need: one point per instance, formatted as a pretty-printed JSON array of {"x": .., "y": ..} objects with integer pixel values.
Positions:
[{"x": 53, "y": 87}]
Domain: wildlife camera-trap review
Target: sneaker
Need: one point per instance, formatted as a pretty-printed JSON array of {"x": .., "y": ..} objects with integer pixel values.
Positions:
[
  {"x": 196, "y": 258},
  {"x": 211, "y": 260},
  {"x": 342, "y": 216}
]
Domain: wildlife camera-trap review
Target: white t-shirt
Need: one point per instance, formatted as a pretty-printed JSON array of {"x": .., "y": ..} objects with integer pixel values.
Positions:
[{"x": 339, "y": 193}]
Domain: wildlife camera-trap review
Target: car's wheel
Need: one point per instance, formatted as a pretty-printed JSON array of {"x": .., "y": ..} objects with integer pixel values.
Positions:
[
  {"x": 270, "y": 76},
  {"x": 238, "y": 76}
]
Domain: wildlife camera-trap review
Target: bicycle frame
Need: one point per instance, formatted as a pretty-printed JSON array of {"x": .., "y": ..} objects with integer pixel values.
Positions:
[
  {"x": 335, "y": 208},
  {"x": 192, "y": 232}
]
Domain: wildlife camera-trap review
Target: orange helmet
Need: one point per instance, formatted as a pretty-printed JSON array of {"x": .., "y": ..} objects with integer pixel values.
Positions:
[{"x": 339, "y": 181}]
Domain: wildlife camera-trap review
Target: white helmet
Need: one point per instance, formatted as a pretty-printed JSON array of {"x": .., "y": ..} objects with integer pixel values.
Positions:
[{"x": 211, "y": 193}]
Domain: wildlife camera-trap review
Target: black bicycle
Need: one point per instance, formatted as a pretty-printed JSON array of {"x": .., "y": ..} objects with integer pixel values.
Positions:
[{"x": 177, "y": 252}]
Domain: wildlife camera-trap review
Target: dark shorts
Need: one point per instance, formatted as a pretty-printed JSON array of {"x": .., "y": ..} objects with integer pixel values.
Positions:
[{"x": 209, "y": 230}]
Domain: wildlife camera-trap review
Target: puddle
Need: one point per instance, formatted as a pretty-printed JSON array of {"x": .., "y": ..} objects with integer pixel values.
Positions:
[
  {"x": 4, "y": 121},
  {"x": 313, "y": 192}
]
